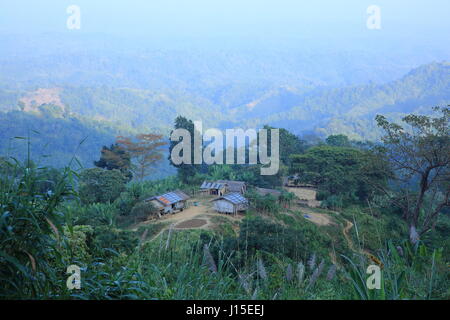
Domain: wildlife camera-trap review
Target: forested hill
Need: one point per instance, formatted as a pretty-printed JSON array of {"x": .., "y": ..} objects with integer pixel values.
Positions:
[
  {"x": 352, "y": 110},
  {"x": 323, "y": 110},
  {"x": 65, "y": 116},
  {"x": 58, "y": 138}
]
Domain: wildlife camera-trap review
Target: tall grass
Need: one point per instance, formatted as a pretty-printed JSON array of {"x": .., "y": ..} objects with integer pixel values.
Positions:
[
  {"x": 42, "y": 232},
  {"x": 30, "y": 232}
]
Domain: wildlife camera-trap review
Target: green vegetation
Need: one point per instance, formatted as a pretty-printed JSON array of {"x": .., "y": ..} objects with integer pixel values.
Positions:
[
  {"x": 93, "y": 218},
  {"x": 98, "y": 185},
  {"x": 340, "y": 173}
]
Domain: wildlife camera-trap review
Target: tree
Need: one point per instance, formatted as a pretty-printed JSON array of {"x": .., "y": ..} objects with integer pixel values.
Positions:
[
  {"x": 286, "y": 198},
  {"x": 185, "y": 171},
  {"x": 419, "y": 156},
  {"x": 289, "y": 144},
  {"x": 338, "y": 171},
  {"x": 145, "y": 149},
  {"x": 115, "y": 157},
  {"x": 99, "y": 185},
  {"x": 339, "y": 140}
]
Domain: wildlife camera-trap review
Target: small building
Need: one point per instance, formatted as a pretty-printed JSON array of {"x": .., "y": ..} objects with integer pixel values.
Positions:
[
  {"x": 213, "y": 188},
  {"x": 169, "y": 202},
  {"x": 234, "y": 186},
  {"x": 263, "y": 192},
  {"x": 231, "y": 203}
]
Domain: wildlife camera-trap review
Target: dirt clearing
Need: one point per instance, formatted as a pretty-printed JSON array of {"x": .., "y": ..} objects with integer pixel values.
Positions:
[
  {"x": 190, "y": 224},
  {"x": 320, "y": 219}
]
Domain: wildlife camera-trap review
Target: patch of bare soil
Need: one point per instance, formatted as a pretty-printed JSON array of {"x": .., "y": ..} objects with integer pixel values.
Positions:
[
  {"x": 195, "y": 217},
  {"x": 42, "y": 96},
  {"x": 320, "y": 219},
  {"x": 190, "y": 224}
]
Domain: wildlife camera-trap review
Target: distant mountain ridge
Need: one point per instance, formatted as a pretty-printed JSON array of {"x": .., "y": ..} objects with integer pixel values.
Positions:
[
  {"x": 318, "y": 109},
  {"x": 102, "y": 113}
]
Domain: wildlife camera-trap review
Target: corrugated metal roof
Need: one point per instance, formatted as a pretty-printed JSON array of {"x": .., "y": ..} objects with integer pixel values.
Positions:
[
  {"x": 182, "y": 195},
  {"x": 235, "y": 198},
  {"x": 171, "y": 197},
  {"x": 211, "y": 185}
]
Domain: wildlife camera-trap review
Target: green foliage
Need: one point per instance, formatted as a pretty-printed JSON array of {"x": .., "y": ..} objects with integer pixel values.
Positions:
[
  {"x": 115, "y": 157},
  {"x": 418, "y": 153},
  {"x": 338, "y": 140},
  {"x": 30, "y": 232},
  {"x": 54, "y": 140},
  {"x": 407, "y": 272},
  {"x": 112, "y": 241},
  {"x": 341, "y": 173},
  {"x": 259, "y": 234},
  {"x": 265, "y": 204},
  {"x": 185, "y": 171},
  {"x": 99, "y": 185},
  {"x": 289, "y": 144},
  {"x": 77, "y": 249},
  {"x": 41, "y": 233},
  {"x": 142, "y": 211},
  {"x": 372, "y": 231},
  {"x": 94, "y": 214}
]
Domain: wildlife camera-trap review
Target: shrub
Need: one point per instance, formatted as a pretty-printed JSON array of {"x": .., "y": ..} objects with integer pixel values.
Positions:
[
  {"x": 142, "y": 211},
  {"x": 95, "y": 214},
  {"x": 120, "y": 241},
  {"x": 77, "y": 243},
  {"x": 99, "y": 185}
]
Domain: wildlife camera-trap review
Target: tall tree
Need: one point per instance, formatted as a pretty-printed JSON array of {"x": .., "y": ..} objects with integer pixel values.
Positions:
[
  {"x": 145, "y": 150},
  {"x": 185, "y": 171},
  {"x": 339, "y": 171},
  {"x": 289, "y": 144},
  {"x": 115, "y": 157},
  {"x": 420, "y": 157}
]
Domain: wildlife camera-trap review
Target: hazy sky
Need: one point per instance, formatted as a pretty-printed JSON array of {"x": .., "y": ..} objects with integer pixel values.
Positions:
[{"x": 343, "y": 18}]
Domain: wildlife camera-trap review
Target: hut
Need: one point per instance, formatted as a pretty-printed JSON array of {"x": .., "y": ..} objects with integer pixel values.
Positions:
[
  {"x": 295, "y": 181},
  {"x": 213, "y": 188},
  {"x": 234, "y": 186},
  {"x": 169, "y": 202},
  {"x": 263, "y": 192},
  {"x": 231, "y": 203}
]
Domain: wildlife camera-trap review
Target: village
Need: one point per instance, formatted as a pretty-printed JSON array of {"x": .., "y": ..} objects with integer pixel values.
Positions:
[{"x": 227, "y": 199}]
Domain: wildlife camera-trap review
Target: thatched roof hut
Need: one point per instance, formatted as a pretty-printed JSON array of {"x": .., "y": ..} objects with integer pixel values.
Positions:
[{"x": 234, "y": 186}]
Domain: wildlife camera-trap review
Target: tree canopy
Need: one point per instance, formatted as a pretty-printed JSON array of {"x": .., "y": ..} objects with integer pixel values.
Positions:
[{"x": 419, "y": 154}]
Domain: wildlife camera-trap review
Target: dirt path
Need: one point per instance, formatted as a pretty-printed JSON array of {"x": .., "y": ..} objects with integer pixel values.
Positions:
[
  {"x": 345, "y": 231},
  {"x": 351, "y": 244}
]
